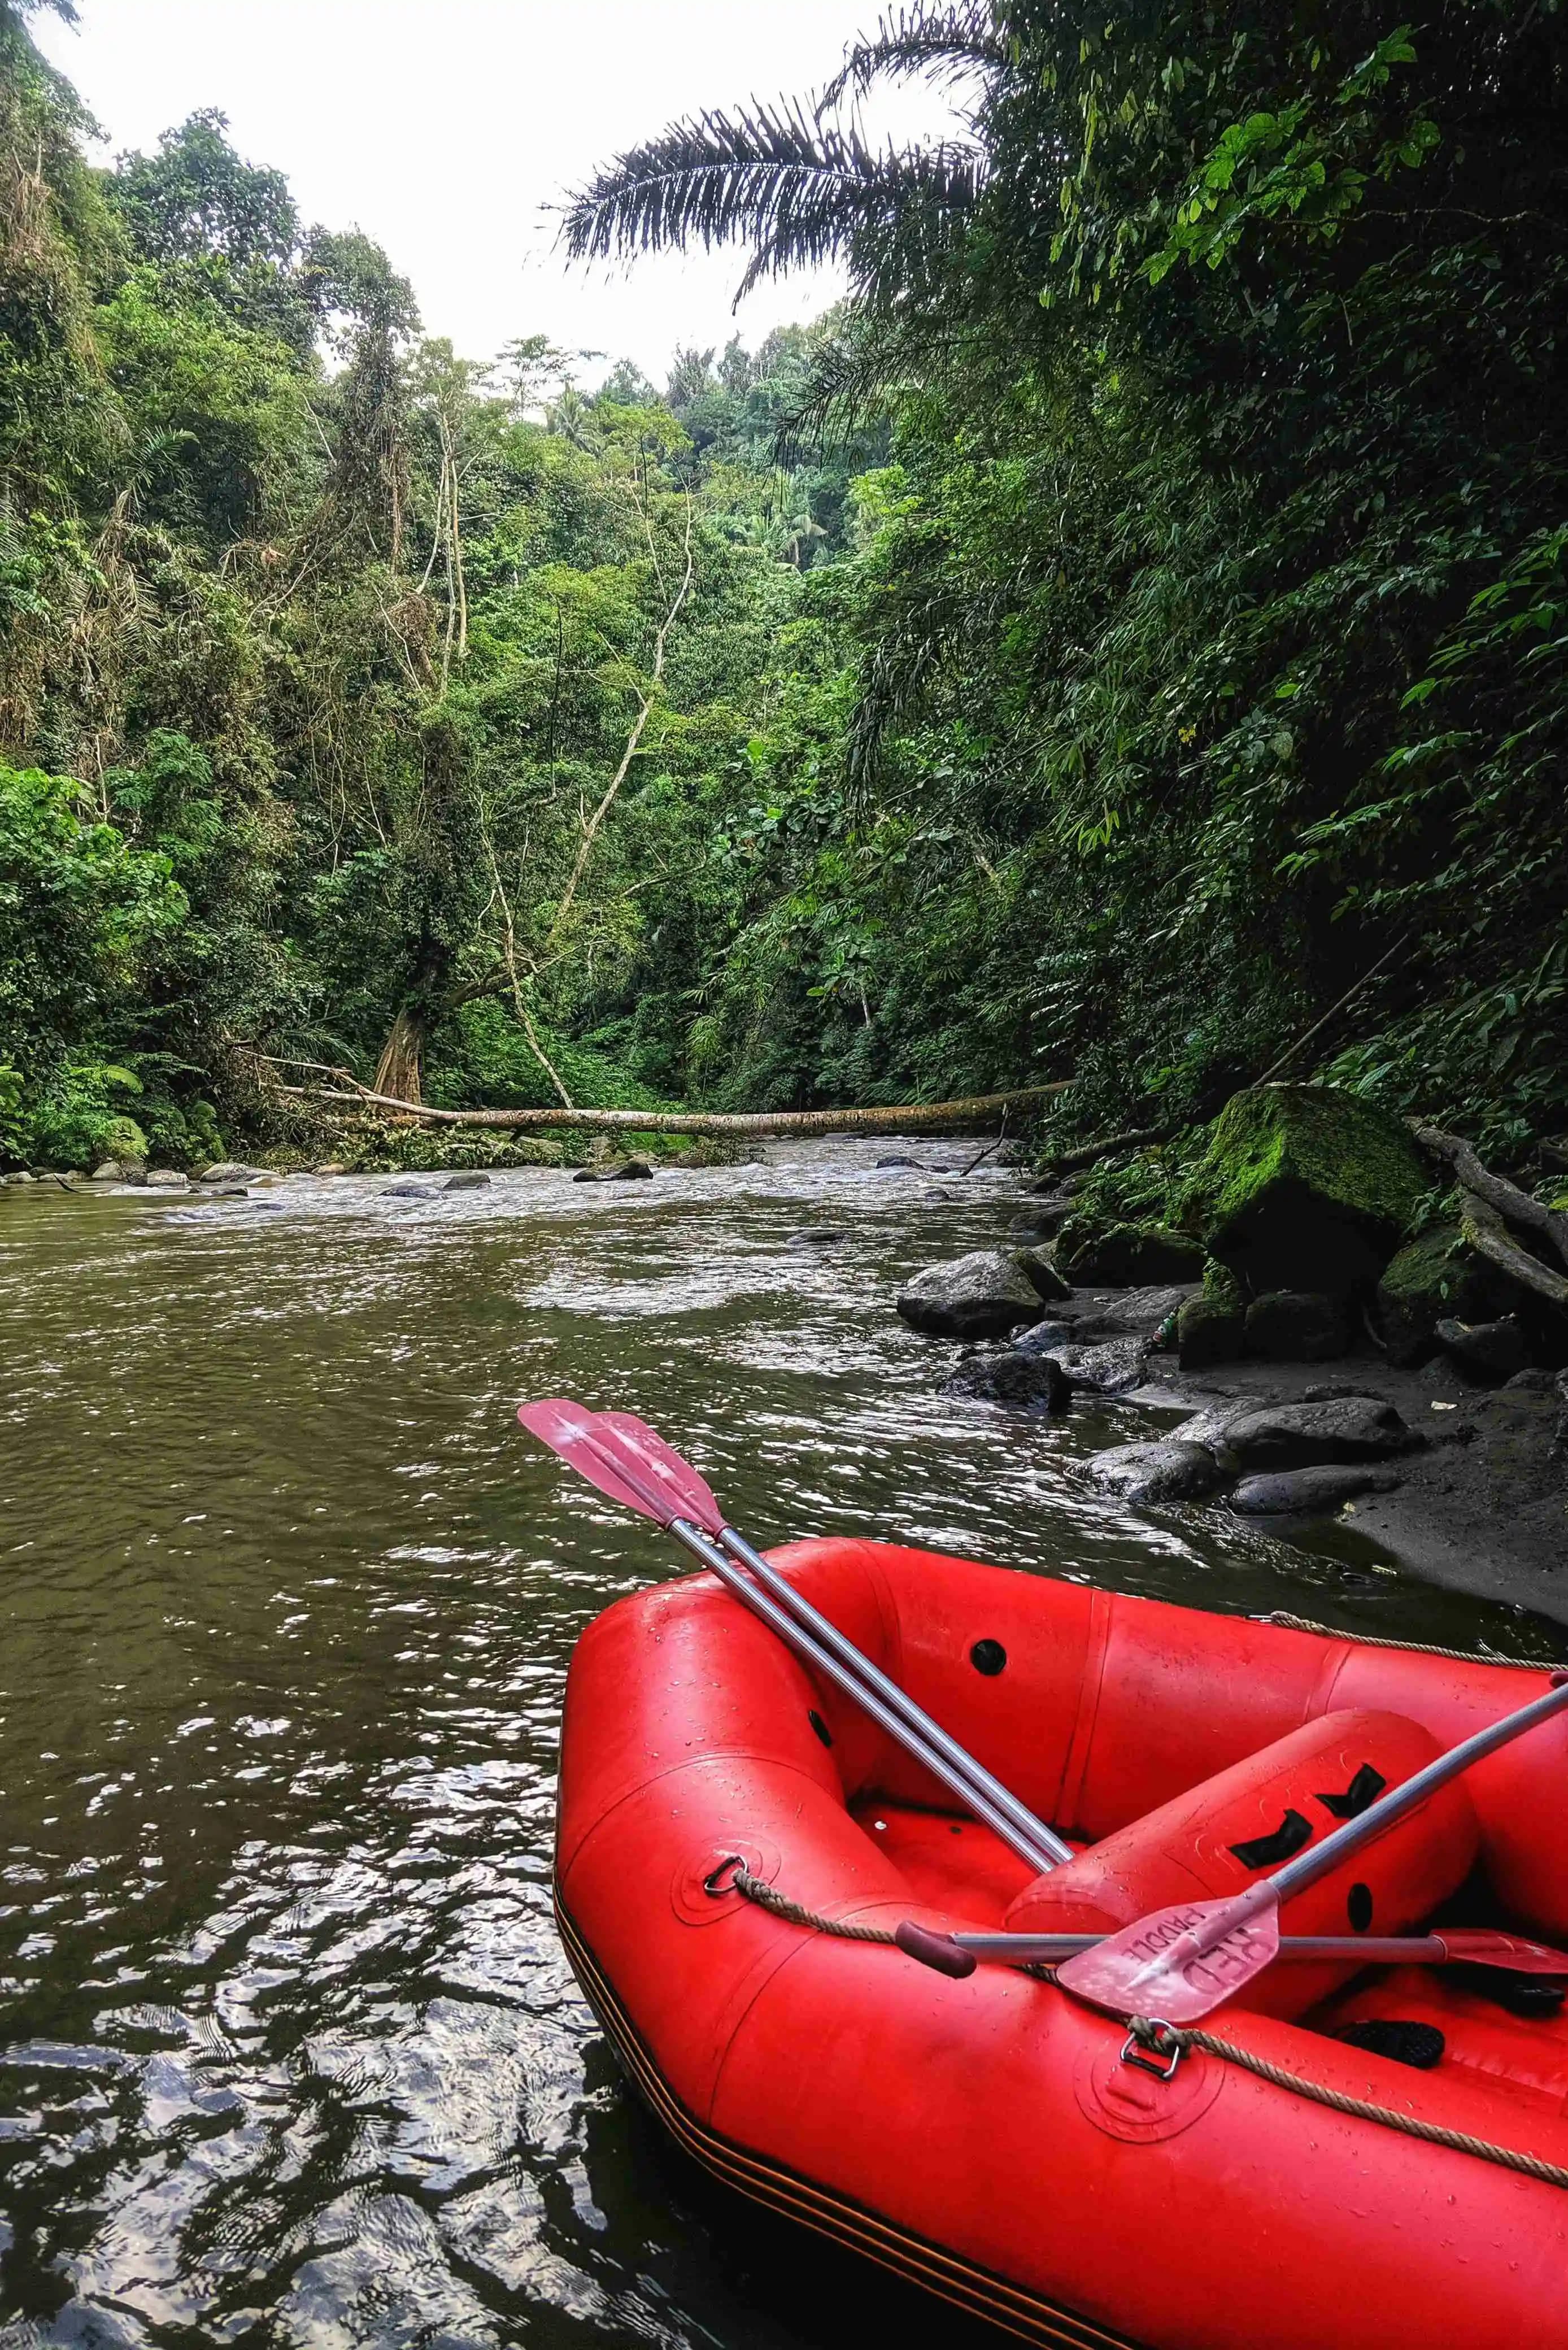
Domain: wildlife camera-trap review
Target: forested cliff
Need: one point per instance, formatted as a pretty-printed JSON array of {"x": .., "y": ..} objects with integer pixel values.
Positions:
[{"x": 1126, "y": 641}]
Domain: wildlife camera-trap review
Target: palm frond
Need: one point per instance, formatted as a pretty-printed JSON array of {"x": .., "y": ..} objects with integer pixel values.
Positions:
[
  {"x": 943, "y": 43},
  {"x": 798, "y": 193}
]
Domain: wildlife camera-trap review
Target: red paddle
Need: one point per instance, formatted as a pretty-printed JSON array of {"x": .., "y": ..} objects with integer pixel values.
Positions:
[
  {"x": 634, "y": 1465},
  {"x": 959, "y": 1954},
  {"x": 1179, "y": 1964}
]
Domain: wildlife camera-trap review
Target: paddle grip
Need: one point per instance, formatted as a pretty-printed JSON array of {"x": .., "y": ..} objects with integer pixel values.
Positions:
[{"x": 937, "y": 1951}]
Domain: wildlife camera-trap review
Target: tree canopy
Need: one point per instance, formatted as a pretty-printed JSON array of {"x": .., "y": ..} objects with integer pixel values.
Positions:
[{"x": 1125, "y": 640}]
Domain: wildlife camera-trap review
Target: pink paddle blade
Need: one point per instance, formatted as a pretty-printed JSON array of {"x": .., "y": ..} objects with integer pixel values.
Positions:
[
  {"x": 601, "y": 1455},
  {"x": 1512, "y": 1952},
  {"x": 1178, "y": 1964},
  {"x": 693, "y": 1499}
]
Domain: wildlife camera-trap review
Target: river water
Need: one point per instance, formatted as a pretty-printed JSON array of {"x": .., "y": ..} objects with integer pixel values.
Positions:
[{"x": 288, "y": 2050}]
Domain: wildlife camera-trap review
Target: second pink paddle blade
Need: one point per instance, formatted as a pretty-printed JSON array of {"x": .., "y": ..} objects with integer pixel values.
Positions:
[
  {"x": 570, "y": 1430},
  {"x": 1512, "y": 1952},
  {"x": 689, "y": 1496},
  {"x": 1157, "y": 1967}
]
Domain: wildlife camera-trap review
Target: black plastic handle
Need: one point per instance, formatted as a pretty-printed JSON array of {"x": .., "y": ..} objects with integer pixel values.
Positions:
[{"x": 937, "y": 1951}]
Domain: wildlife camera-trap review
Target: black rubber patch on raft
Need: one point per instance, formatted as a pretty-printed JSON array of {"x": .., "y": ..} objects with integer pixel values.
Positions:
[{"x": 988, "y": 1657}]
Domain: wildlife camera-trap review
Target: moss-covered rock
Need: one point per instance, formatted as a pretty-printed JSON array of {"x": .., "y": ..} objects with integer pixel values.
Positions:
[
  {"x": 1297, "y": 1326},
  {"x": 1038, "y": 1269},
  {"x": 1306, "y": 1188},
  {"x": 1437, "y": 1278},
  {"x": 1210, "y": 1329},
  {"x": 122, "y": 1138},
  {"x": 1125, "y": 1257}
]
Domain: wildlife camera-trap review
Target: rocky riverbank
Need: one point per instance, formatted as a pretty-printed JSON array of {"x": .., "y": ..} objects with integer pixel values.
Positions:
[{"x": 1309, "y": 1319}]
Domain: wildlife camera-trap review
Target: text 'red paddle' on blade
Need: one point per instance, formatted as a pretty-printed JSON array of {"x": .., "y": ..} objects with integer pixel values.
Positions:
[
  {"x": 693, "y": 1499},
  {"x": 1180, "y": 1964},
  {"x": 1161, "y": 1966}
]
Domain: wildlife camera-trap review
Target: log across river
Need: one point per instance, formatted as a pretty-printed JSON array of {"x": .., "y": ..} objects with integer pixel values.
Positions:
[{"x": 290, "y": 2049}]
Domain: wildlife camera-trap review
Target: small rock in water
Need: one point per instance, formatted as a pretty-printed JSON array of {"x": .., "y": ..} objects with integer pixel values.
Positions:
[
  {"x": 333, "y": 1166},
  {"x": 630, "y": 1170},
  {"x": 1309, "y": 1490},
  {"x": 166, "y": 1178},
  {"x": 817, "y": 1236},
  {"x": 1024, "y": 1382},
  {"x": 1048, "y": 1337},
  {"x": 1493, "y": 1350},
  {"x": 1169, "y": 1471},
  {"x": 229, "y": 1170},
  {"x": 407, "y": 1191},
  {"x": 470, "y": 1179},
  {"x": 918, "y": 1164},
  {"x": 983, "y": 1295}
]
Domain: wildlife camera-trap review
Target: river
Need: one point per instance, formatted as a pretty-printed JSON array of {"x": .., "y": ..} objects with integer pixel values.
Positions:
[{"x": 289, "y": 2053}]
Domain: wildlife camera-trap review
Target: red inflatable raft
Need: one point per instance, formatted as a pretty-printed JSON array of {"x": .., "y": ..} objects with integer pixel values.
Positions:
[{"x": 987, "y": 2136}]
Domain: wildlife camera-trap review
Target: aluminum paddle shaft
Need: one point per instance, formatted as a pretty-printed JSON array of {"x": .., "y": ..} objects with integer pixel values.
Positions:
[
  {"x": 1046, "y": 1849},
  {"x": 634, "y": 1465},
  {"x": 1181, "y": 1964}
]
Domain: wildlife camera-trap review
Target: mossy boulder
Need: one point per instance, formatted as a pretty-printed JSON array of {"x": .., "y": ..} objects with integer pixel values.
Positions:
[
  {"x": 1125, "y": 1257},
  {"x": 1304, "y": 1187},
  {"x": 1212, "y": 1327},
  {"x": 1437, "y": 1278},
  {"x": 1297, "y": 1326},
  {"x": 122, "y": 1138}
]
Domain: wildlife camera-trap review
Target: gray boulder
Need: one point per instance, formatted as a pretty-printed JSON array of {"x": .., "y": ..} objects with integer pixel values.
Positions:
[
  {"x": 1022, "y": 1382},
  {"x": 1354, "y": 1428},
  {"x": 407, "y": 1191},
  {"x": 1044, "y": 1216},
  {"x": 1489, "y": 1351},
  {"x": 1169, "y": 1471},
  {"x": 1309, "y": 1492},
  {"x": 1047, "y": 1283},
  {"x": 1296, "y": 1325},
  {"x": 1049, "y": 1337},
  {"x": 470, "y": 1180},
  {"x": 108, "y": 1174},
  {"x": 1435, "y": 1278},
  {"x": 1110, "y": 1369},
  {"x": 983, "y": 1295},
  {"x": 166, "y": 1178},
  {"x": 630, "y": 1170},
  {"x": 1141, "y": 1313},
  {"x": 1125, "y": 1256}
]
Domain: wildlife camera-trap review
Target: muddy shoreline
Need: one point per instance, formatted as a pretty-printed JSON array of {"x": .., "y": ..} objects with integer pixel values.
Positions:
[{"x": 1482, "y": 1507}]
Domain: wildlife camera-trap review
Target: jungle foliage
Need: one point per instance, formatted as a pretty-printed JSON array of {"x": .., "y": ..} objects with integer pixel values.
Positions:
[{"x": 1126, "y": 638}]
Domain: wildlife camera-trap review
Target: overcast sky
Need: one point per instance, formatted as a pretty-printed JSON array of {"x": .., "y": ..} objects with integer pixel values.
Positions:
[{"x": 444, "y": 128}]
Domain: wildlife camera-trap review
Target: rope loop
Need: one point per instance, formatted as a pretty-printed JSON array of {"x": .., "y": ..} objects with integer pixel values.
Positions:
[{"x": 1158, "y": 2047}]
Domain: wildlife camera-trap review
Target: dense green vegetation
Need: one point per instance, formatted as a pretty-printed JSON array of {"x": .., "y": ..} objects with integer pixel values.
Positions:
[{"x": 1127, "y": 639}]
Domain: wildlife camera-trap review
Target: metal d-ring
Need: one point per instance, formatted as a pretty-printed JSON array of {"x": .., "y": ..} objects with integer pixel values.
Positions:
[
  {"x": 1149, "y": 2037},
  {"x": 710, "y": 1885}
]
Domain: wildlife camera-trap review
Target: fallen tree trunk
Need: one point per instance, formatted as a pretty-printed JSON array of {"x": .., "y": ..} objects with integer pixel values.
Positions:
[
  {"x": 906, "y": 1117},
  {"x": 1484, "y": 1229},
  {"x": 1495, "y": 1189}
]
